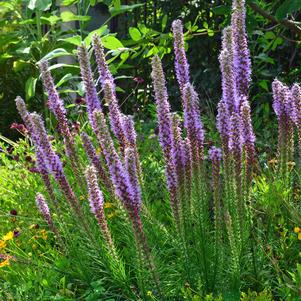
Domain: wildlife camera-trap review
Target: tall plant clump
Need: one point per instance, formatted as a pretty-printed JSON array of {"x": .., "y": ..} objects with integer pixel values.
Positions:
[
  {"x": 184, "y": 156},
  {"x": 209, "y": 199}
]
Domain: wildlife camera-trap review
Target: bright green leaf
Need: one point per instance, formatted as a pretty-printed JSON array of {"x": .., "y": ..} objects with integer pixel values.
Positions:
[
  {"x": 143, "y": 28},
  {"x": 110, "y": 42},
  {"x": 19, "y": 65},
  {"x": 135, "y": 33},
  {"x": 75, "y": 40},
  {"x": 68, "y": 2},
  {"x": 30, "y": 87},
  {"x": 100, "y": 31},
  {"x": 210, "y": 32},
  {"x": 68, "y": 16},
  {"x": 117, "y": 4},
  {"x": 52, "y": 20}
]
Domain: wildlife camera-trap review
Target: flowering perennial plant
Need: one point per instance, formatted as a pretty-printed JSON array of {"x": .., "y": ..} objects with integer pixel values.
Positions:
[{"x": 210, "y": 220}]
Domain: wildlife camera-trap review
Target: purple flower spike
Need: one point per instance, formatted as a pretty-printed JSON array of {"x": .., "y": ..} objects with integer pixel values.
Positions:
[
  {"x": 163, "y": 108},
  {"x": 96, "y": 204},
  {"x": 44, "y": 209},
  {"x": 242, "y": 61},
  {"x": 227, "y": 42},
  {"x": 116, "y": 117},
  {"x": 52, "y": 160},
  {"x": 192, "y": 122},
  {"x": 131, "y": 139},
  {"x": 95, "y": 194},
  {"x": 92, "y": 99},
  {"x": 103, "y": 69},
  {"x": 94, "y": 159},
  {"x": 228, "y": 81},
  {"x": 236, "y": 139},
  {"x": 41, "y": 164},
  {"x": 248, "y": 140},
  {"x": 131, "y": 168},
  {"x": 284, "y": 107},
  {"x": 215, "y": 154},
  {"x": 165, "y": 132},
  {"x": 248, "y": 133},
  {"x": 179, "y": 150},
  {"x": 129, "y": 131},
  {"x": 284, "y": 103},
  {"x": 181, "y": 64},
  {"x": 118, "y": 174},
  {"x": 296, "y": 97},
  {"x": 56, "y": 105}
]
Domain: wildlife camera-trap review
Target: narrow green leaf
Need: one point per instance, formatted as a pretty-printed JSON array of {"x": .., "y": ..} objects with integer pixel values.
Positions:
[
  {"x": 64, "y": 79},
  {"x": 56, "y": 66},
  {"x": 56, "y": 53},
  {"x": 123, "y": 8},
  {"x": 164, "y": 21},
  {"x": 68, "y": 16}
]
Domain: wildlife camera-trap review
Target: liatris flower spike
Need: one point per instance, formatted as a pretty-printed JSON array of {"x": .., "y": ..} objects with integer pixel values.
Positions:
[
  {"x": 181, "y": 64},
  {"x": 165, "y": 132},
  {"x": 96, "y": 204},
  {"x": 91, "y": 97},
  {"x": 44, "y": 209},
  {"x": 41, "y": 164}
]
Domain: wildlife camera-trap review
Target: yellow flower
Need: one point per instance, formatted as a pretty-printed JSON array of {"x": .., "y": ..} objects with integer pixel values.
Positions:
[
  {"x": 44, "y": 234},
  {"x": 2, "y": 244},
  {"x": 149, "y": 293},
  {"x": 111, "y": 215},
  {"x": 296, "y": 229},
  {"x": 4, "y": 263},
  {"x": 108, "y": 205},
  {"x": 33, "y": 226},
  {"x": 299, "y": 235},
  {"x": 82, "y": 197},
  {"x": 8, "y": 236},
  {"x": 98, "y": 151}
]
